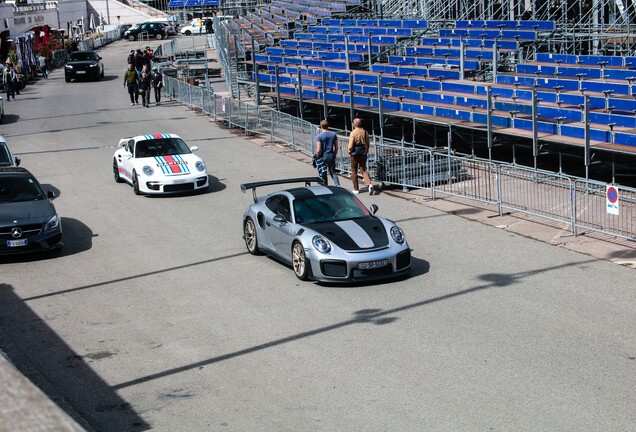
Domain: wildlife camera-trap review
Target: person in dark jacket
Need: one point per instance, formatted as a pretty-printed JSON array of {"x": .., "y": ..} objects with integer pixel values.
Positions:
[
  {"x": 131, "y": 57},
  {"x": 131, "y": 81},
  {"x": 140, "y": 61},
  {"x": 327, "y": 150},
  {"x": 157, "y": 84},
  {"x": 144, "y": 88}
]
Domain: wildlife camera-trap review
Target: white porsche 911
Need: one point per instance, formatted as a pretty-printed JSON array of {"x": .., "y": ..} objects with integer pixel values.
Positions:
[{"x": 159, "y": 163}]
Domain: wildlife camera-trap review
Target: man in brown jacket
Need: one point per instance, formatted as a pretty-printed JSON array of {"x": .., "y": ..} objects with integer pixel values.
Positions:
[{"x": 358, "y": 150}]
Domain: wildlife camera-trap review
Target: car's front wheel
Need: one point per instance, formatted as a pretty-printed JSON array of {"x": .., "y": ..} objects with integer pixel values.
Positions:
[
  {"x": 118, "y": 179},
  {"x": 249, "y": 234},
  {"x": 188, "y": 32},
  {"x": 131, "y": 38},
  {"x": 135, "y": 182},
  {"x": 67, "y": 79},
  {"x": 300, "y": 263}
]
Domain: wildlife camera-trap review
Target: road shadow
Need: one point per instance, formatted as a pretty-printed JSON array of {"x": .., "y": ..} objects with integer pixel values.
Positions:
[
  {"x": 61, "y": 373},
  {"x": 9, "y": 118}
]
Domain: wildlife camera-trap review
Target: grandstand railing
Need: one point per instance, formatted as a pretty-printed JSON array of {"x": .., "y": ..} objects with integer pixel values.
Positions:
[{"x": 577, "y": 205}]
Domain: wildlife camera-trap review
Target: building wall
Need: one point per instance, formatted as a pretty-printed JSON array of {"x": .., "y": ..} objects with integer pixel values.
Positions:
[{"x": 114, "y": 12}]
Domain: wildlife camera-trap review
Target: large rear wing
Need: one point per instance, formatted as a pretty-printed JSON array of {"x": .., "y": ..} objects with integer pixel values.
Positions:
[{"x": 307, "y": 180}]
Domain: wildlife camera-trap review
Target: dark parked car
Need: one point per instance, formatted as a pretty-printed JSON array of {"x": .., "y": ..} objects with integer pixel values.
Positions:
[
  {"x": 146, "y": 31},
  {"x": 84, "y": 65},
  {"x": 123, "y": 28},
  {"x": 28, "y": 220}
]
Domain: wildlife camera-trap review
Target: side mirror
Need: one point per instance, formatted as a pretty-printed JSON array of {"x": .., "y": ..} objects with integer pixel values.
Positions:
[
  {"x": 373, "y": 209},
  {"x": 50, "y": 194},
  {"x": 279, "y": 218},
  {"x": 17, "y": 161},
  {"x": 194, "y": 148}
]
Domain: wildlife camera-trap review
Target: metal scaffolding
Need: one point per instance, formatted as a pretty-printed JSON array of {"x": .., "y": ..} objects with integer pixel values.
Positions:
[{"x": 582, "y": 26}]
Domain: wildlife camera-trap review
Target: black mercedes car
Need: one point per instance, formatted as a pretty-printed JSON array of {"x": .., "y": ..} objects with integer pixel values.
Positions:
[
  {"x": 84, "y": 65},
  {"x": 146, "y": 31},
  {"x": 28, "y": 220}
]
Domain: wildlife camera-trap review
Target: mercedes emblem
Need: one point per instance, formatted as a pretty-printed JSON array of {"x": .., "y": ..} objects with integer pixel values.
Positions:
[{"x": 16, "y": 232}]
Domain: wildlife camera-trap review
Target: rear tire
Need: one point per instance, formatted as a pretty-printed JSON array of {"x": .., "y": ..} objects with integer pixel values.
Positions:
[
  {"x": 299, "y": 262},
  {"x": 188, "y": 32},
  {"x": 250, "y": 236},
  {"x": 159, "y": 37}
]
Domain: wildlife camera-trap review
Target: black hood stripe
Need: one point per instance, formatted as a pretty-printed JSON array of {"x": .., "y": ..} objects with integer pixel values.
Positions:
[{"x": 369, "y": 233}]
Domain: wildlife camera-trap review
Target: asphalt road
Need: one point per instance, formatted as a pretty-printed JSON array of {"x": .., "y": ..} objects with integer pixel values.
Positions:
[{"x": 155, "y": 317}]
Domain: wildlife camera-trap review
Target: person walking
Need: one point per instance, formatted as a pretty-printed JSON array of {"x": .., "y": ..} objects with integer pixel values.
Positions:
[
  {"x": 358, "y": 150},
  {"x": 131, "y": 81},
  {"x": 327, "y": 149},
  {"x": 131, "y": 57},
  {"x": 10, "y": 78},
  {"x": 144, "y": 88},
  {"x": 43, "y": 68},
  {"x": 140, "y": 61},
  {"x": 157, "y": 83}
]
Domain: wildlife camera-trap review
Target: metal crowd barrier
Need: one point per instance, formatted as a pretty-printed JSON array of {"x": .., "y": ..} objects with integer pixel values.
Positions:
[{"x": 576, "y": 203}]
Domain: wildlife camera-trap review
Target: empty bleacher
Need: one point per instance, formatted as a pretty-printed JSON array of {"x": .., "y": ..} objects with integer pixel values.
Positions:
[{"x": 423, "y": 76}]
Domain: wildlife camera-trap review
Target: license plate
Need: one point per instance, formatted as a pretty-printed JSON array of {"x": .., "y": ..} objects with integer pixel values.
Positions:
[
  {"x": 179, "y": 181},
  {"x": 17, "y": 243},
  {"x": 80, "y": 72},
  {"x": 372, "y": 264}
]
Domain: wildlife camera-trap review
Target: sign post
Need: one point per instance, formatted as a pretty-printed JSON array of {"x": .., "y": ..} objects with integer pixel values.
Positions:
[{"x": 611, "y": 193}]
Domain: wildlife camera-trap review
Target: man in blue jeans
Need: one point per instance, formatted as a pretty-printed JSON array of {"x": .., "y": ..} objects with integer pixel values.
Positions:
[{"x": 327, "y": 149}]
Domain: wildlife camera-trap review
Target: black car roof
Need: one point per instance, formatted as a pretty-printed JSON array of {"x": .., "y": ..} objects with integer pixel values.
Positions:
[
  {"x": 308, "y": 191},
  {"x": 15, "y": 170}
]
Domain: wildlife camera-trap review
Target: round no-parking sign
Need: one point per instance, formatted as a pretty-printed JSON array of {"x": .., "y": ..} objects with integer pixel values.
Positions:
[{"x": 611, "y": 193}]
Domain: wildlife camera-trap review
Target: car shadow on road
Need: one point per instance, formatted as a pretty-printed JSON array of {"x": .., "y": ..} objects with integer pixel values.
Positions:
[{"x": 9, "y": 118}]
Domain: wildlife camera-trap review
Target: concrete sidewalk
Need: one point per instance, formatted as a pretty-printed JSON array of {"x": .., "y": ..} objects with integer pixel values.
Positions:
[{"x": 24, "y": 407}]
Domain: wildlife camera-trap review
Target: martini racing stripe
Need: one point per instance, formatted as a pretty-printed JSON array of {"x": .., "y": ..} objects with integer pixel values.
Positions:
[{"x": 172, "y": 164}]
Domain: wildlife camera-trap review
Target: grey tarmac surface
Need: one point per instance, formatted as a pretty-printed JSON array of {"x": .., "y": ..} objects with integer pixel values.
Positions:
[{"x": 155, "y": 317}]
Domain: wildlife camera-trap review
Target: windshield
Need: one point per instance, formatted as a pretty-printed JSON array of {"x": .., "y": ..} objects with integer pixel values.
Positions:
[
  {"x": 328, "y": 208},
  {"x": 18, "y": 189},
  {"x": 161, "y": 147},
  {"x": 83, "y": 56},
  {"x": 5, "y": 159}
]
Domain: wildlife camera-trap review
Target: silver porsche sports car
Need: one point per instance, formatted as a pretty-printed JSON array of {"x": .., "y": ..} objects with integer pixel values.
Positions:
[{"x": 324, "y": 232}]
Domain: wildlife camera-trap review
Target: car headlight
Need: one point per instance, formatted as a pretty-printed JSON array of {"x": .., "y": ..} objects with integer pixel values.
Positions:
[
  {"x": 200, "y": 166},
  {"x": 68, "y": 66},
  {"x": 397, "y": 234},
  {"x": 321, "y": 244},
  {"x": 148, "y": 170},
  {"x": 93, "y": 65},
  {"x": 54, "y": 222}
]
